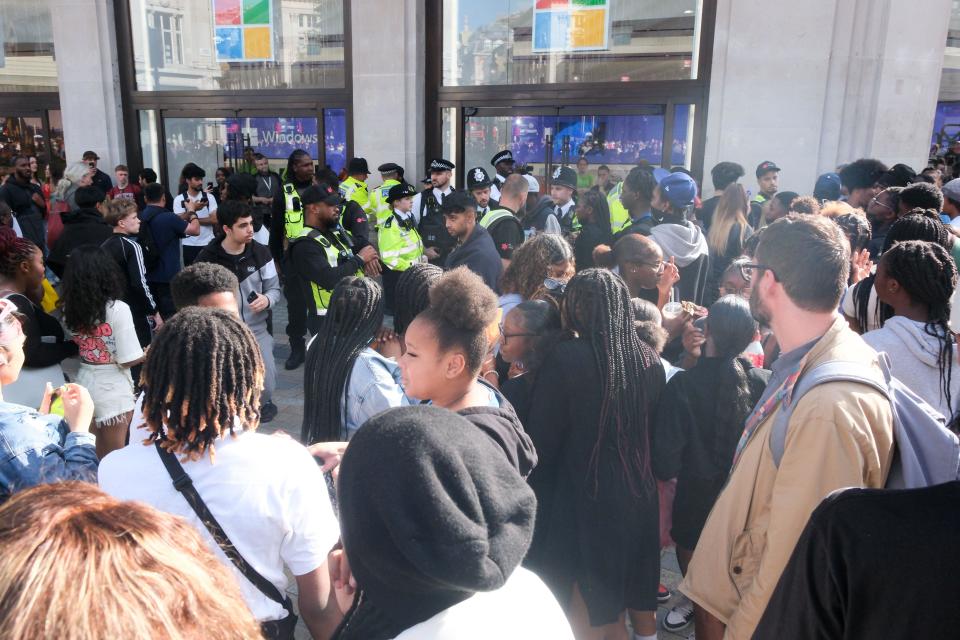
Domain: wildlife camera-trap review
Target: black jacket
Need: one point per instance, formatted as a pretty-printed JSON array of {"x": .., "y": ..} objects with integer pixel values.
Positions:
[
  {"x": 480, "y": 255},
  {"x": 695, "y": 435},
  {"x": 507, "y": 234},
  {"x": 503, "y": 425},
  {"x": 591, "y": 236},
  {"x": 80, "y": 227},
  {"x": 309, "y": 261},
  {"x": 103, "y": 182},
  {"x": 29, "y": 215}
]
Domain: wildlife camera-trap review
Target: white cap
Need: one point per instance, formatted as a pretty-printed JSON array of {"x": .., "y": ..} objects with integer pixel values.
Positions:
[{"x": 533, "y": 185}]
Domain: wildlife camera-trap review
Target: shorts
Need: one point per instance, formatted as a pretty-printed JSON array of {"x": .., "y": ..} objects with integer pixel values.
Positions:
[{"x": 111, "y": 388}]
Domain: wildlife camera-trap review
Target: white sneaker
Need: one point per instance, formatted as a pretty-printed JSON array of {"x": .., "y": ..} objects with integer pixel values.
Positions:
[{"x": 679, "y": 616}]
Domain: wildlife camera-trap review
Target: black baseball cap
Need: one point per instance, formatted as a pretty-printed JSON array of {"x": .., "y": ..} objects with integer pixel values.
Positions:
[
  {"x": 458, "y": 202},
  {"x": 320, "y": 193},
  {"x": 766, "y": 167}
]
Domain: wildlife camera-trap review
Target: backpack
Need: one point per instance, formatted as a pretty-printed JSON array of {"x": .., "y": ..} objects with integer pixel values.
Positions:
[
  {"x": 927, "y": 453},
  {"x": 151, "y": 252}
]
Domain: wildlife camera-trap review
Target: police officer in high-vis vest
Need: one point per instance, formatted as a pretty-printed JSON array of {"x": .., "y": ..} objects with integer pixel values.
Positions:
[
  {"x": 392, "y": 175},
  {"x": 355, "y": 186},
  {"x": 437, "y": 241},
  {"x": 501, "y": 222},
  {"x": 619, "y": 216},
  {"x": 322, "y": 253},
  {"x": 400, "y": 243},
  {"x": 285, "y": 225}
]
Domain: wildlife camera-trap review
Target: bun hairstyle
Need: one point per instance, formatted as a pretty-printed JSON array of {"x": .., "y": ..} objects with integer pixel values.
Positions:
[
  {"x": 14, "y": 251},
  {"x": 461, "y": 308}
]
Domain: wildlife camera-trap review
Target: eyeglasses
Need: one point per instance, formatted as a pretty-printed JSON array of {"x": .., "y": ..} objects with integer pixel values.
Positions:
[
  {"x": 746, "y": 271},
  {"x": 506, "y": 336},
  {"x": 743, "y": 291},
  {"x": 876, "y": 200}
]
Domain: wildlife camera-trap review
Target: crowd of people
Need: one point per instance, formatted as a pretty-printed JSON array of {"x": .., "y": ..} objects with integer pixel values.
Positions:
[{"x": 514, "y": 401}]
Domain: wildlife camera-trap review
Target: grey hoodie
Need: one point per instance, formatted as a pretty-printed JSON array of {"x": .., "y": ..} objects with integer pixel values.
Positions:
[
  {"x": 686, "y": 244},
  {"x": 914, "y": 357}
]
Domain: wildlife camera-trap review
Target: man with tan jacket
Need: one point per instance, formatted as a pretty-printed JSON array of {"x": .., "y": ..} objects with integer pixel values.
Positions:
[{"x": 840, "y": 434}]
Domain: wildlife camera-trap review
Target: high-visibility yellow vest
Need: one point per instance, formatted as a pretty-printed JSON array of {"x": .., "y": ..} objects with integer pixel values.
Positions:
[
  {"x": 619, "y": 216},
  {"x": 340, "y": 248},
  {"x": 400, "y": 244},
  {"x": 379, "y": 208},
  {"x": 293, "y": 212},
  {"x": 356, "y": 190}
]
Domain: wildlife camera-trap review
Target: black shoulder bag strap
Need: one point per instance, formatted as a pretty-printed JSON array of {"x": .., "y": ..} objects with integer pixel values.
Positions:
[{"x": 183, "y": 484}]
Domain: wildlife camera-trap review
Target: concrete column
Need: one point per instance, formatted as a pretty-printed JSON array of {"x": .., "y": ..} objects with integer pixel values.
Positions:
[
  {"x": 84, "y": 35},
  {"x": 388, "y": 84},
  {"x": 815, "y": 84}
]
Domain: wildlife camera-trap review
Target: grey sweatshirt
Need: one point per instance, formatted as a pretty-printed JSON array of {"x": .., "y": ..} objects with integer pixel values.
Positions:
[{"x": 913, "y": 356}]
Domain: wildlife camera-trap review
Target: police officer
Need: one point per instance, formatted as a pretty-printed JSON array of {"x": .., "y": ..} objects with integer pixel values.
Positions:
[
  {"x": 322, "y": 252},
  {"x": 500, "y": 221},
  {"x": 392, "y": 175},
  {"x": 354, "y": 188},
  {"x": 562, "y": 189},
  {"x": 426, "y": 210},
  {"x": 479, "y": 183},
  {"x": 503, "y": 163},
  {"x": 400, "y": 243},
  {"x": 286, "y": 224}
]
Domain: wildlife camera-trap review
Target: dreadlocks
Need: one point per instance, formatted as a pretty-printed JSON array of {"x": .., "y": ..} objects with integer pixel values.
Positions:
[
  {"x": 14, "y": 251},
  {"x": 916, "y": 225},
  {"x": 597, "y": 306},
  {"x": 413, "y": 293},
  {"x": 202, "y": 378},
  {"x": 929, "y": 276},
  {"x": 354, "y": 315}
]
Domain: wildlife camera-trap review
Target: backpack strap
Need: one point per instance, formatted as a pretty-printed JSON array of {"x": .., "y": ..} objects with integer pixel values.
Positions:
[
  {"x": 832, "y": 371},
  {"x": 183, "y": 484}
]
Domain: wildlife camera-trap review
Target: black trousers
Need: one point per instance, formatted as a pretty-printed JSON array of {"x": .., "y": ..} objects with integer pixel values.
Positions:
[
  {"x": 295, "y": 293},
  {"x": 190, "y": 254},
  {"x": 390, "y": 278}
]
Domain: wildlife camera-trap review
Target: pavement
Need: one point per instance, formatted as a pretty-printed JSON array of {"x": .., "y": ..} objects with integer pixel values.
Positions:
[{"x": 289, "y": 400}]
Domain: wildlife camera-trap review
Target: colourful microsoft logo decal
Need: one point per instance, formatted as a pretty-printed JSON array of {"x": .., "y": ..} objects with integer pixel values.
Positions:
[
  {"x": 570, "y": 25},
  {"x": 244, "y": 30}
]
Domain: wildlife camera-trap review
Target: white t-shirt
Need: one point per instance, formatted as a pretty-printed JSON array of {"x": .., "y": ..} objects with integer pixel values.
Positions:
[
  {"x": 206, "y": 232},
  {"x": 848, "y": 306},
  {"x": 114, "y": 341},
  {"x": 522, "y": 608},
  {"x": 267, "y": 493}
]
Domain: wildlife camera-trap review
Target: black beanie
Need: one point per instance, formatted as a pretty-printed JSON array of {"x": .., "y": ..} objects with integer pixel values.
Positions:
[{"x": 431, "y": 512}]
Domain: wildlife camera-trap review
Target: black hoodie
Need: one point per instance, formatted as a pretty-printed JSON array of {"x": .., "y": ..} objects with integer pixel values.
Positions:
[
  {"x": 502, "y": 424},
  {"x": 80, "y": 227}
]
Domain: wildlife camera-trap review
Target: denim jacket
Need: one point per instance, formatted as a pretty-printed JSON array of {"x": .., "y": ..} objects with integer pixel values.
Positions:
[
  {"x": 374, "y": 386},
  {"x": 37, "y": 449}
]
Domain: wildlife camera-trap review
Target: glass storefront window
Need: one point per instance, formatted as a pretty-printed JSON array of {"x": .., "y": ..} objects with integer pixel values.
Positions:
[
  {"x": 184, "y": 45},
  {"x": 26, "y": 136},
  {"x": 681, "y": 151},
  {"x": 502, "y": 42},
  {"x": 335, "y": 143},
  {"x": 448, "y": 138},
  {"x": 149, "y": 140},
  {"x": 26, "y": 46},
  {"x": 201, "y": 141},
  {"x": 617, "y": 141},
  {"x": 946, "y": 124}
]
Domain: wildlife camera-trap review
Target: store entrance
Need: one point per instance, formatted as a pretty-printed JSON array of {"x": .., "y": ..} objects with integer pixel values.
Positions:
[
  {"x": 544, "y": 138},
  {"x": 213, "y": 139}
]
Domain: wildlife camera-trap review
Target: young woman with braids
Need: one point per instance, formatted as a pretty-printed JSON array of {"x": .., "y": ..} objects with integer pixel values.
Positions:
[
  {"x": 699, "y": 421},
  {"x": 103, "y": 329},
  {"x": 346, "y": 382},
  {"x": 917, "y": 280},
  {"x": 202, "y": 382},
  {"x": 593, "y": 211},
  {"x": 596, "y": 542},
  {"x": 859, "y": 304},
  {"x": 21, "y": 282},
  {"x": 527, "y": 334},
  {"x": 446, "y": 346}
]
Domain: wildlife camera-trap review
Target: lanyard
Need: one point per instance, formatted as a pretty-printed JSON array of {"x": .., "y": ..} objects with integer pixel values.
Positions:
[
  {"x": 761, "y": 413},
  {"x": 268, "y": 183}
]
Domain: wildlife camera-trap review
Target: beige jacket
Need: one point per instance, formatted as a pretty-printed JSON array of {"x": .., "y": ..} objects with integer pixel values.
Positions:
[{"x": 840, "y": 435}]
